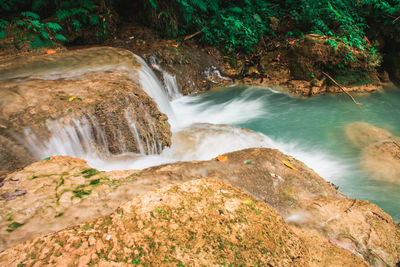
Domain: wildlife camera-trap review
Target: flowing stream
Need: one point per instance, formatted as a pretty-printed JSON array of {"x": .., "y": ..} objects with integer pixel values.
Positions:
[{"x": 311, "y": 130}]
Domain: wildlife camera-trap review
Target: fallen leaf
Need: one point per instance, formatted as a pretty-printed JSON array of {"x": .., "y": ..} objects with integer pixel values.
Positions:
[
  {"x": 72, "y": 98},
  {"x": 247, "y": 201},
  {"x": 247, "y": 162},
  {"x": 48, "y": 158},
  {"x": 50, "y": 51},
  {"x": 289, "y": 165},
  {"x": 222, "y": 158}
]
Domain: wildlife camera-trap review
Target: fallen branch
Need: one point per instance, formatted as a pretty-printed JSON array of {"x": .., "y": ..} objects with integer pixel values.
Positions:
[
  {"x": 341, "y": 87},
  {"x": 193, "y": 35}
]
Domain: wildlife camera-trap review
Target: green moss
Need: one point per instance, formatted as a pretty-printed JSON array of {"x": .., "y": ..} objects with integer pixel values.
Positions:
[
  {"x": 81, "y": 192},
  {"x": 59, "y": 214},
  {"x": 95, "y": 182},
  {"x": 89, "y": 172},
  {"x": 13, "y": 226}
]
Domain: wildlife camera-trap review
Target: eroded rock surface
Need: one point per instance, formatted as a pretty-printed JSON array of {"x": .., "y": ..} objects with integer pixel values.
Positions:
[
  {"x": 90, "y": 98},
  {"x": 202, "y": 222},
  {"x": 62, "y": 191}
]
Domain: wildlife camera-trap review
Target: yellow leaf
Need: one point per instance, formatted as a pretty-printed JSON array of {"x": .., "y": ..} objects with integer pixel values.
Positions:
[
  {"x": 222, "y": 158},
  {"x": 72, "y": 98},
  {"x": 289, "y": 165}
]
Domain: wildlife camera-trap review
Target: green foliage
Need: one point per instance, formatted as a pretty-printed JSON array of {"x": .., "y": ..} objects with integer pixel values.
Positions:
[
  {"x": 61, "y": 18},
  {"x": 238, "y": 25},
  {"x": 232, "y": 25}
]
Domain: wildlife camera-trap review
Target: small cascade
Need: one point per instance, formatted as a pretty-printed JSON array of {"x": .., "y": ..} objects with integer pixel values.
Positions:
[
  {"x": 171, "y": 85},
  {"x": 170, "y": 82},
  {"x": 77, "y": 138},
  {"x": 133, "y": 128},
  {"x": 214, "y": 75},
  {"x": 147, "y": 138},
  {"x": 153, "y": 87}
]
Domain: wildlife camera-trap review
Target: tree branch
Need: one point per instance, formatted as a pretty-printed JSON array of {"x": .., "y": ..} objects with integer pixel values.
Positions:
[{"x": 341, "y": 87}]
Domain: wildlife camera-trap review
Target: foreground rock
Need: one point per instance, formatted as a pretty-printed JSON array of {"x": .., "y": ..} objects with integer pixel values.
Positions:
[
  {"x": 380, "y": 150},
  {"x": 63, "y": 191},
  {"x": 90, "y": 98},
  {"x": 203, "y": 222}
]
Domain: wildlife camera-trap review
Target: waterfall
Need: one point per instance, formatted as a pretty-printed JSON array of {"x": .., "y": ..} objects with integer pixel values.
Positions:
[
  {"x": 153, "y": 87},
  {"x": 76, "y": 138}
]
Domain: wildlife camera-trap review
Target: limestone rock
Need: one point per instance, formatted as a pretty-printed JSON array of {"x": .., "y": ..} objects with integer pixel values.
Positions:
[
  {"x": 201, "y": 222},
  {"x": 63, "y": 191},
  {"x": 91, "y": 96}
]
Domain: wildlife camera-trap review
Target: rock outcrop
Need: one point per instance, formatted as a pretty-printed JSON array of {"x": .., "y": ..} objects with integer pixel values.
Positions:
[
  {"x": 93, "y": 94},
  {"x": 62, "y": 191},
  {"x": 380, "y": 150},
  {"x": 202, "y": 222}
]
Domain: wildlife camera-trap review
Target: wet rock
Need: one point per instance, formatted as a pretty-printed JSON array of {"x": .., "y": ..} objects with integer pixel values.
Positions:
[
  {"x": 91, "y": 98},
  {"x": 382, "y": 160},
  {"x": 185, "y": 228},
  {"x": 356, "y": 225},
  {"x": 380, "y": 150},
  {"x": 189, "y": 64},
  {"x": 363, "y": 134}
]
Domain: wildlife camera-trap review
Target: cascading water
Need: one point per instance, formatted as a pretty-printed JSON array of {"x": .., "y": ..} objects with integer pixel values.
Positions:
[{"x": 171, "y": 85}]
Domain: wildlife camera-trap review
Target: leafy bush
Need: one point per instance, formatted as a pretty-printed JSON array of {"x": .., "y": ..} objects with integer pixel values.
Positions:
[
  {"x": 238, "y": 25},
  {"x": 61, "y": 18}
]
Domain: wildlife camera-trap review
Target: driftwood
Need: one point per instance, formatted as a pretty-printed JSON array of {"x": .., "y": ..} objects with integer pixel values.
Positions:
[{"x": 342, "y": 88}]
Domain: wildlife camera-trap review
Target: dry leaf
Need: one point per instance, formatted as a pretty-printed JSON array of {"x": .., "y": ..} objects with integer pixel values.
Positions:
[
  {"x": 50, "y": 51},
  {"x": 222, "y": 158},
  {"x": 289, "y": 165}
]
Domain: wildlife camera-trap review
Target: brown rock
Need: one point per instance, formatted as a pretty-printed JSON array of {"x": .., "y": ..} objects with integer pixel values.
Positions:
[
  {"x": 59, "y": 195},
  {"x": 248, "y": 232},
  {"x": 61, "y": 92},
  {"x": 363, "y": 134},
  {"x": 382, "y": 160},
  {"x": 356, "y": 225}
]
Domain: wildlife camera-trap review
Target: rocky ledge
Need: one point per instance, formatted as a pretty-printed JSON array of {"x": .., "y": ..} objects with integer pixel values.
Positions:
[
  {"x": 92, "y": 93},
  {"x": 191, "y": 219}
]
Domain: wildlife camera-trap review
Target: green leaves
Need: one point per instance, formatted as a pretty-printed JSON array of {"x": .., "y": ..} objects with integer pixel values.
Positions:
[
  {"x": 55, "y": 27},
  {"x": 30, "y": 15},
  {"x": 62, "y": 38}
]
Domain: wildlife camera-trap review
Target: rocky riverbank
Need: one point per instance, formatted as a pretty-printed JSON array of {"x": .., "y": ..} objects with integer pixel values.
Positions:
[{"x": 295, "y": 66}]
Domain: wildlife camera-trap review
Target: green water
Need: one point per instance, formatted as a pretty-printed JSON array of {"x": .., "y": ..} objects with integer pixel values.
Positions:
[{"x": 318, "y": 125}]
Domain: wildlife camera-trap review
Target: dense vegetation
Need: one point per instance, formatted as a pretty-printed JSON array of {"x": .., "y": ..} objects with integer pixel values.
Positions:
[{"x": 232, "y": 25}]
